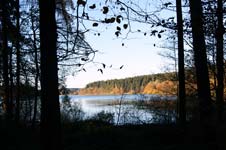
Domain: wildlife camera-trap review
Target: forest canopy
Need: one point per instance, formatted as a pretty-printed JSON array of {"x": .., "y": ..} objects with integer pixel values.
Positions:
[{"x": 161, "y": 83}]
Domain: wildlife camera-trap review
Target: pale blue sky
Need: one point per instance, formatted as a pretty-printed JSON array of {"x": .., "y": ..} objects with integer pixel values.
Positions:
[{"x": 138, "y": 55}]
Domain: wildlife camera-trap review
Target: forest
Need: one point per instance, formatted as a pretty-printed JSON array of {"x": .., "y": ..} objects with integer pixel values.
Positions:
[
  {"x": 146, "y": 84},
  {"x": 161, "y": 84},
  {"x": 42, "y": 42}
]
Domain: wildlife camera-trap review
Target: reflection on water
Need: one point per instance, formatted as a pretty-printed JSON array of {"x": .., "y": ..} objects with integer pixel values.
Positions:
[{"x": 121, "y": 106}]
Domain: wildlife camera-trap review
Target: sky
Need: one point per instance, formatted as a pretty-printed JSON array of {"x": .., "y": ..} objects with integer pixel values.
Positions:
[{"x": 138, "y": 56}]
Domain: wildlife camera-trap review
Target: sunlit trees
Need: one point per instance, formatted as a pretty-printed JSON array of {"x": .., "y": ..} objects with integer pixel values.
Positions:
[{"x": 163, "y": 84}]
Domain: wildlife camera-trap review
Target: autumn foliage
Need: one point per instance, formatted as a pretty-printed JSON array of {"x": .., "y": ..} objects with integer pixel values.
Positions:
[{"x": 161, "y": 84}]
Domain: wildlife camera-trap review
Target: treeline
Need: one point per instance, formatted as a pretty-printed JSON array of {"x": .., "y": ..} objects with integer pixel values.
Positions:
[
  {"x": 161, "y": 83},
  {"x": 147, "y": 84}
]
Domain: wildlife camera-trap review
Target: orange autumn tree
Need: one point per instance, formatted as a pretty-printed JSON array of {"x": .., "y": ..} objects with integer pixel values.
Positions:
[{"x": 161, "y": 87}]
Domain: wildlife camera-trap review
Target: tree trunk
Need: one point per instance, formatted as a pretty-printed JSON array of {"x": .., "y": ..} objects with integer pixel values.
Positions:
[
  {"x": 50, "y": 109},
  {"x": 200, "y": 58},
  {"x": 11, "y": 85},
  {"x": 5, "y": 55},
  {"x": 220, "y": 61},
  {"x": 18, "y": 60},
  {"x": 182, "y": 109},
  {"x": 37, "y": 70}
]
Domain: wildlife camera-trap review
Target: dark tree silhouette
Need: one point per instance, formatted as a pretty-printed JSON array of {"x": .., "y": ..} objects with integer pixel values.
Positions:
[
  {"x": 200, "y": 58},
  {"x": 17, "y": 116},
  {"x": 36, "y": 59},
  {"x": 5, "y": 55},
  {"x": 50, "y": 109},
  {"x": 181, "y": 75},
  {"x": 220, "y": 60}
]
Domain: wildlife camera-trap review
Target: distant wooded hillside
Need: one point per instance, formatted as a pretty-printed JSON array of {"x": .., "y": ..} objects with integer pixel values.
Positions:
[{"x": 162, "y": 83}]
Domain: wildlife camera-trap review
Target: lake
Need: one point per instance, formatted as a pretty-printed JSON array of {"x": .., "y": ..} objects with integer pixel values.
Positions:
[{"x": 122, "y": 107}]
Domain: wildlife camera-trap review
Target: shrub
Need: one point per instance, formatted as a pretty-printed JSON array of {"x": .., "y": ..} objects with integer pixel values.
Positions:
[
  {"x": 103, "y": 116},
  {"x": 71, "y": 112}
]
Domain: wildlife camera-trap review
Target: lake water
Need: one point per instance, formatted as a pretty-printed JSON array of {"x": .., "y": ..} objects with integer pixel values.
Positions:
[{"x": 121, "y": 106}]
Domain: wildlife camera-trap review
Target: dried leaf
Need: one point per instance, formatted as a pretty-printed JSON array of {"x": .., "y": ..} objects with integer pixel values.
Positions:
[
  {"x": 105, "y": 10},
  {"x": 103, "y": 65},
  {"x": 111, "y": 20},
  {"x": 170, "y": 18},
  {"x": 117, "y": 33},
  {"x": 100, "y": 70},
  {"x": 125, "y": 26},
  {"x": 161, "y": 31},
  {"x": 153, "y": 32},
  {"x": 84, "y": 59},
  {"x": 92, "y": 6},
  {"x": 118, "y": 19},
  {"x": 122, "y": 9},
  {"x": 79, "y": 65},
  {"x": 95, "y": 24},
  {"x": 159, "y": 36},
  {"x": 167, "y": 4}
]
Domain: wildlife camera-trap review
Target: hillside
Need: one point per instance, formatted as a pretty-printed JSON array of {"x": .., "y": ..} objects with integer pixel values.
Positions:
[{"x": 162, "y": 83}]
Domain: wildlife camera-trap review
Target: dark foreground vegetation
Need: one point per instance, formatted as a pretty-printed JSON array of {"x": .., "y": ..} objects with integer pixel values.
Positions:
[
  {"x": 96, "y": 135},
  {"x": 101, "y": 133}
]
